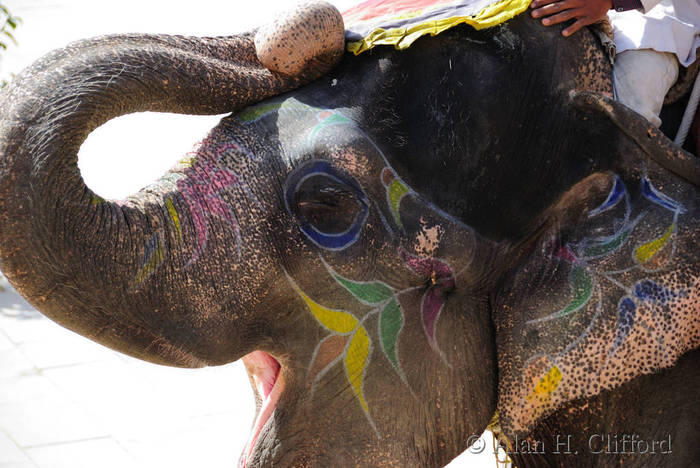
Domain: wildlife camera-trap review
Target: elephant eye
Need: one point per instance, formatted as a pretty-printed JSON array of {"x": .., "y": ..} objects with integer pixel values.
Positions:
[{"x": 329, "y": 206}]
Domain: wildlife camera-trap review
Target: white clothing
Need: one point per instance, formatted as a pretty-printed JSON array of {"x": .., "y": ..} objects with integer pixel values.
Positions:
[
  {"x": 650, "y": 44},
  {"x": 664, "y": 25},
  {"x": 642, "y": 78}
]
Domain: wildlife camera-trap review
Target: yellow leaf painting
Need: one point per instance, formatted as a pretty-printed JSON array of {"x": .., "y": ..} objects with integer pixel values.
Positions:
[
  {"x": 355, "y": 362},
  {"x": 334, "y": 320},
  {"x": 646, "y": 252}
]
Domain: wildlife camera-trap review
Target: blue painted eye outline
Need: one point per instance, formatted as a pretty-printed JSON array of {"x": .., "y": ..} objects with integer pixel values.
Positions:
[{"x": 327, "y": 241}]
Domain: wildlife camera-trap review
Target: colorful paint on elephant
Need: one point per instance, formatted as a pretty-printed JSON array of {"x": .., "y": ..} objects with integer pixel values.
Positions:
[
  {"x": 639, "y": 271},
  {"x": 254, "y": 113},
  {"x": 329, "y": 241},
  {"x": 396, "y": 190},
  {"x": 547, "y": 385},
  {"x": 327, "y": 118},
  {"x": 442, "y": 279},
  {"x": 379, "y": 315},
  {"x": 204, "y": 180},
  {"x": 154, "y": 253},
  {"x": 207, "y": 182},
  {"x": 153, "y": 257},
  {"x": 349, "y": 340}
]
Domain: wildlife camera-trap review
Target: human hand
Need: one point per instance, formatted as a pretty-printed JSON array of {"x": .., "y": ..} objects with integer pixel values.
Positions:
[{"x": 557, "y": 11}]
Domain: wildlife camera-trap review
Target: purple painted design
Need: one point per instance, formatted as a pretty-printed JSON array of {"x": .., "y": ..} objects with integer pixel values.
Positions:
[
  {"x": 426, "y": 266},
  {"x": 441, "y": 280},
  {"x": 206, "y": 183},
  {"x": 431, "y": 308},
  {"x": 564, "y": 253}
]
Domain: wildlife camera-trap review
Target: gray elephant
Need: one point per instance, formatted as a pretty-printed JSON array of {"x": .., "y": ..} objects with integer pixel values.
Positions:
[{"x": 398, "y": 250}]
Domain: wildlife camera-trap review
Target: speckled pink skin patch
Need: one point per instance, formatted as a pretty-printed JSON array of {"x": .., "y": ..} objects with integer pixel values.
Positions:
[
  {"x": 606, "y": 297},
  {"x": 311, "y": 31}
]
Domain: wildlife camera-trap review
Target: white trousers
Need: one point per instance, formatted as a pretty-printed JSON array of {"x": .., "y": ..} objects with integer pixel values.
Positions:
[{"x": 642, "y": 78}]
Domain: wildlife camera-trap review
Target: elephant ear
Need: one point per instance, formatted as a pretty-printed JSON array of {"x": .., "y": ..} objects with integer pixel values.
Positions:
[
  {"x": 648, "y": 138},
  {"x": 607, "y": 290}
]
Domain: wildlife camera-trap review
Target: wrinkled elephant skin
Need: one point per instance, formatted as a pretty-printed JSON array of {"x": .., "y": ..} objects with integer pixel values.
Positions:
[{"x": 397, "y": 250}]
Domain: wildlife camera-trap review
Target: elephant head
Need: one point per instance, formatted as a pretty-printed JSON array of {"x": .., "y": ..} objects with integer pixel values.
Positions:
[{"x": 395, "y": 250}]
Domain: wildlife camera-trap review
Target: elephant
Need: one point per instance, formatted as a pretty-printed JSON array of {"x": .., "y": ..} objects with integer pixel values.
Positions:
[{"x": 403, "y": 247}]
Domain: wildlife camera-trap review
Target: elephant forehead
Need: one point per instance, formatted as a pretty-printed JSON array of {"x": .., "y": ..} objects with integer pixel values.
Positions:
[{"x": 302, "y": 131}]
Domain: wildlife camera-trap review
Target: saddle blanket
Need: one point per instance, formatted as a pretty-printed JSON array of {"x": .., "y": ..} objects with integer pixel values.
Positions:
[{"x": 401, "y": 22}]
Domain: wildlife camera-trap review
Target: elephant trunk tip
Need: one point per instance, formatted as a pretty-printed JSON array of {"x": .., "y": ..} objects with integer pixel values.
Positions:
[{"x": 310, "y": 35}]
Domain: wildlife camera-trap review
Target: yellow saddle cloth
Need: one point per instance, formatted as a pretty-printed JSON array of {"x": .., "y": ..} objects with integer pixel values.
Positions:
[{"x": 401, "y": 22}]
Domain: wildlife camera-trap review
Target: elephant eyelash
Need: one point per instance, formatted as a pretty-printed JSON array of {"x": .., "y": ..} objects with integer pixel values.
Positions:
[
  {"x": 323, "y": 195},
  {"x": 330, "y": 197}
]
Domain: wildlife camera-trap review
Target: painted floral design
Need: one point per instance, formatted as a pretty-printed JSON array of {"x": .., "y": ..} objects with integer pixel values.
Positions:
[
  {"x": 588, "y": 271},
  {"x": 396, "y": 190},
  {"x": 205, "y": 180},
  {"x": 441, "y": 280},
  {"x": 206, "y": 184},
  {"x": 349, "y": 341}
]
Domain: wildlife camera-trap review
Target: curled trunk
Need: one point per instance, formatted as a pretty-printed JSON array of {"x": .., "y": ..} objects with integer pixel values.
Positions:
[{"x": 70, "y": 253}]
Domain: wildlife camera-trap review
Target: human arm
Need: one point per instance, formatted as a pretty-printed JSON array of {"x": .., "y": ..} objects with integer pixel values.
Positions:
[{"x": 584, "y": 12}]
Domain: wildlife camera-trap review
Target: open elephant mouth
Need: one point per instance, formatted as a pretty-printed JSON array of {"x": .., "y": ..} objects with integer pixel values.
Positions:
[{"x": 268, "y": 380}]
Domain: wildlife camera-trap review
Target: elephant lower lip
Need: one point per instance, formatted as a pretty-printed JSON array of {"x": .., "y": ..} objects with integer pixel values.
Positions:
[{"x": 265, "y": 372}]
